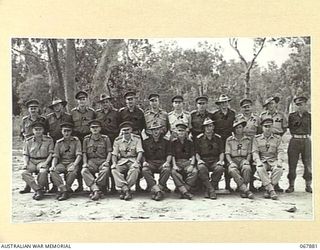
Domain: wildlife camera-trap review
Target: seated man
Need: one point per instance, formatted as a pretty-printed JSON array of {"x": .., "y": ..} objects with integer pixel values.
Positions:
[
  {"x": 209, "y": 154},
  {"x": 66, "y": 159},
  {"x": 157, "y": 159},
  {"x": 184, "y": 172},
  {"x": 266, "y": 152},
  {"x": 238, "y": 154},
  {"x": 96, "y": 159},
  {"x": 126, "y": 158},
  {"x": 37, "y": 151}
]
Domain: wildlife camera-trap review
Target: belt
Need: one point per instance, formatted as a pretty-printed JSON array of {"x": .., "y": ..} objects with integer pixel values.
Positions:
[
  {"x": 38, "y": 158},
  {"x": 300, "y": 136}
]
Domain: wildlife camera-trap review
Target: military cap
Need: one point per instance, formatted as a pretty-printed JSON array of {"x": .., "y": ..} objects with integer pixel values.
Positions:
[
  {"x": 207, "y": 121},
  {"x": 245, "y": 101},
  {"x": 223, "y": 98},
  {"x": 180, "y": 97},
  {"x": 129, "y": 93},
  {"x": 104, "y": 97},
  {"x": 38, "y": 124},
  {"x": 272, "y": 98},
  {"x": 66, "y": 125},
  {"x": 57, "y": 101},
  {"x": 300, "y": 99},
  {"x": 155, "y": 125},
  {"x": 151, "y": 96},
  {"x": 32, "y": 103},
  {"x": 94, "y": 123},
  {"x": 81, "y": 94},
  {"x": 267, "y": 121},
  {"x": 181, "y": 125},
  {"x": 126, "y": 124},
  {"x": 239, "y": 121},
  {"x": 203, "y": 98}
]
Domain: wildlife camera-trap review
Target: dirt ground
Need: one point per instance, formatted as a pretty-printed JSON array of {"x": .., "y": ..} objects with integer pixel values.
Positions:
[{"x": 79, "y": 208}]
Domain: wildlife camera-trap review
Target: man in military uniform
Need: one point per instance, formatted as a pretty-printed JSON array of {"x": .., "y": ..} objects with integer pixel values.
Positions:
[
  {"x": 224, "y": 118},
  {"x": 156, "y": 114},
  {"x": 66, "y": 159},
  {"x": 96, "y": 159},
  {"x": 198, "y": 116},
  {"x": 26, "y": 128},
  {"x": 177, "y": 116},
  {"x": 37, "y": 152},
  {"x": 251, "y": 129},
  {"x": 81, "y": 115},
  {"x": 209, "y": 150},
  {"x": 126, "y": 159},
  {"x": 157, "y": 159},
  {"x": 109, "y": 117},
  {"x": 184, "y": 171},
  {"x": 300, "y": 143},
  {"x": 238, "y": 155},
  {"x": 280, "y": 122},
  {"x": 267, "y": 155}
]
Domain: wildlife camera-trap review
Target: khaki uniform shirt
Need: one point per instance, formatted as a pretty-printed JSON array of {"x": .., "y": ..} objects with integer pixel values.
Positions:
[
  {"x": 253, "y": 123},
  {"x": 38, "y": 150},
  {"x": 280, "y": 122},
  {"x": 96, "y": 148},
  {"x": 161, "y": 117},
  {"x": 26, "y": 128},
  {"x": 67, "y": 150},
  {"x": 54, "y": 124},
  {"x": 175, "y": 118},
  {"x": 238, "y": 148},
  {"x": 81, "y": 120}
]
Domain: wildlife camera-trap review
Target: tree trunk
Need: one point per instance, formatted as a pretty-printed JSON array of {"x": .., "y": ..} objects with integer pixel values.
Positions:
[
  {"x": 61, "y": 92},
  {"x": 247, "y": 85},
  {"x": 108, "y": 59},
  {"x": 70, "y": 72}
]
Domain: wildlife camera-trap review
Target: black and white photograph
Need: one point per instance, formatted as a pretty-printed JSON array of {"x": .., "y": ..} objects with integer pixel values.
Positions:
[{"x": 161, "y": 129}]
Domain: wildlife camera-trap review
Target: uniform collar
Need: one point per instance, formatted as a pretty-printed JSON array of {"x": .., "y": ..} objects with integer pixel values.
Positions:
[
  {"x": 96, "y": 139},
  {"x": 124, "y": 140},
  {"x": 204, "y": 113},
  {"x": 155, "y": 112},
  {"x": 85, "y": 109},
  {"x": 271, "y": 136}
]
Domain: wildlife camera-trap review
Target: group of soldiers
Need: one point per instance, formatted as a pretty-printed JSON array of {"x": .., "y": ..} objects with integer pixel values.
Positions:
[{"x": 113, "y": 149}]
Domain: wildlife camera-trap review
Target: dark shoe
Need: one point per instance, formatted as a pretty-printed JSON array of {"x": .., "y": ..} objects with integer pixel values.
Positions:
[
  {"x": 277, "y": 188},
  {"x": 166, "y": 190},
  {"x": 26, "y": 189},
  {"x": 53, "y": 190},
  {"x": 250, "y": 195},
  {"x": 127, "y": 195},
  {"x": 212, "y": 195},
  {"x": 121, "y": 196},
  {"x": 38, "y": 195},
  {"x": 64, "y": 196},
  {"x": 79, "y": 189},
  {"x": 187, "y": 195},
  {"x": 266, "y": 195},
  {"x": 59, "y": 195},
  {"x": 290, "y": 189},
  {"x": 308, "y": 189},
  {"x": 158, "y": 196},
  {"x": 261, "y": 189},
  {"x": 243, "y": 195},
  {"x": 273, "y": 195},
  {"x": 95, "y": 196}
]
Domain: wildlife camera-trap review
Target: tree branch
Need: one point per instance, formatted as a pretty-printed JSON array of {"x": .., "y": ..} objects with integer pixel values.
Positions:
[
  {"x": 234, "y": 44},
  {"x": 29, "y": 54},
  {"x": 256, "y": 55}
]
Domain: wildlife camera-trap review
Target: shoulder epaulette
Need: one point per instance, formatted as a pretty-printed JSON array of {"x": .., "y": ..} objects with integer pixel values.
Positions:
[
  {"x": 47, "y": 137},
  {"x": 42, "y": 116},
  {"x": 98, "y": 110},
  {"x": 231, "y": 137},
  {"x": 67, "y": 113},
  {"x": 104, "y": 136},
  {"x": 136, "y": 136},
  {"x": 217, "y": 135},
  {"x": 75, "y": 138},
  {"x": 147, "y": 111},
  {"x": 193, "y": 111},
  {"x": 189, "y": 139},
  {"x": 186, "y": 112},
  {"x": 170, "y": 113},
  {"x": 215, "y": 111},
  {"x": 264, "y": 112},
  {"x": 74, "y": 109},
  {"x": 118, "y": 138},
  {"x": 174, "y": 139},
  {"x": 140, "y": 109},
  {"x": 87, "y": 136},
  {"x": 277, "y": 136},
  {"x": 60, "y": 140},
  {"x": 121, "y": 109},
  {"x": 257, "y": 136},
  {"x": 114, "y": 109},
  {"x": 91, "y": 109},
  {"x": 31, "y": 137},
  {"x": 200, "y": 135},
  {"x": 50, "y": 114},
  {"x": 232, "y": 110}
]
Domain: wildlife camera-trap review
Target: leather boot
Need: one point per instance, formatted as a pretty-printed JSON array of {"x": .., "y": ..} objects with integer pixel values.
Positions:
[
  {"x": 64, "y": 196},
  {"x": 38, "y": 195},
  {"x": 291, "y": 187},
  {"x": 95, "y": 196},
  {"x": 308, "y": 187},
  {"x": 26, "y": 189}
]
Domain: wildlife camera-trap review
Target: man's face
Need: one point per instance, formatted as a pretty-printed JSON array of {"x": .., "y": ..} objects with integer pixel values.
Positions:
[
  {"x": 247, "y": 108},
  {"x": 301, "y": 107},
  {"x": 181, "y": 132},
  {"x": 33, "y": 110},
  {"x": 239, "y": 129},
  {"x": 202, "y": 105},
  {"x": 209, "y": 128},
  {"x": 38, "y": 131},
  {"x": 156, "y": 132},
  {"x": 57, "y": 107},
  {"x": 130, "y": 101},
  {"x": 106, "y": 104},
  {"x": 271, "y": 105},
  {"x": 82, "y": 101},
  {"x": 267, "y": 129},
  {"x": 95, "y": 129},
  {"x": 66, "y": 132},
  {"x": 177, "y": 104},
  {"x": 154, "y": 102},
  {"x": 126, "y": 132},
  {"x": 223, "y": 106}
]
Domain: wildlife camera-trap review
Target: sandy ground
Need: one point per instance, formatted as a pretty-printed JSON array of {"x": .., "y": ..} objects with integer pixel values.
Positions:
[{"x": 80, "y": 208}]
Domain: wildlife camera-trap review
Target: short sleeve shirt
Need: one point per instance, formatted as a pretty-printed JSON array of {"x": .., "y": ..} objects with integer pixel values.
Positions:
[
  {"x": 54, "y": 124},
  {"x": 209, "y": 149},
  {"x": 267, "y": 148},
  {"x": 110, "y": 120},
  {"x": 175, "y": 118},
  {"x": 136, "y": 117},
  {"x": 35, "y": 149},
  {"x": 239, "y": 148},
  {"x": 197, "y": 120},
  {"x": 81, "y": 120},
  {"x": 26, "y": 128},
  {"x": 300, "y": 125},
  {"x": 156, "y": 150},
  {"x": 253, "y": 123},
  {"x": 96, "y": 147},
  {"x": 224, "y": 123},
  {"x": 67, "y": 150},
  {"x": 183, "y": 150},
  {"x": 280, "y": 122},
  {"x": 160, "y": 117}
]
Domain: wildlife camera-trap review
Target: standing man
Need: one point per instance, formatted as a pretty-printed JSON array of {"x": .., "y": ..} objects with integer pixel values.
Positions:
[
  {"x": 209, "y": 150},
  {"x": 184, "y": 171},
  {"x": 156, "y": 114},
  {"x": 157, "y": 159},
  {"x": 224, "y": 118},
  {"x": 37, "y": 151},
  {"x": 26, "y": 126},
  {"x": 177, "y": 116},
  {"x": 126, "y": 159},
  {"x": 109, "y": 117},
  {"x": 300, "y": 143},
  {"x": 199, "y": 115},
  {"x": 66, "y": 159},
  {"x": 81, "y": 115},
  {"x": 267, "y": 155},
  {"x": 96, "y": 159},
  {"x": 238, "y": 155}
]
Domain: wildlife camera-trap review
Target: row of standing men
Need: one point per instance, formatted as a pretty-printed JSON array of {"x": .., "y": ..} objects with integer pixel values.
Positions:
[{"x": 223, "y": 120}]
